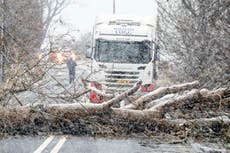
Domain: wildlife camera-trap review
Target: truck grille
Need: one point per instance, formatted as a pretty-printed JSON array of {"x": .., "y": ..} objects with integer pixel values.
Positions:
[{"x": 120, "y": 80}]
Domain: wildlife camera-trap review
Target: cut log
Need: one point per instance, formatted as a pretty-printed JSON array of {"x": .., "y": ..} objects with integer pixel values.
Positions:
[
  {"x": 191, "y": 96},
  {"x": 190, "y": 99},
  {"x": 161, "y": 100},
  {"x": 160, "y": 92},
  {"x": 67, "y": 118},
  {"x": 221, "y": 92},
  {"x": 82, "y": 109},
  {"x": 136, "y": 115},
  {"x": 216, "y": 95},
  {"x": 150, "y": 115},
  {"x": 117, "y": 99},
  {"x": 86, "y": 118},
  {"x": 76, "y": 109}
]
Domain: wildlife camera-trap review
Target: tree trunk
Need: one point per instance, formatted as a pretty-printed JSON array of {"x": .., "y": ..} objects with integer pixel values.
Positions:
[
  {"x": 103, "y": 119},
  {"x": 160, "y": 92}
]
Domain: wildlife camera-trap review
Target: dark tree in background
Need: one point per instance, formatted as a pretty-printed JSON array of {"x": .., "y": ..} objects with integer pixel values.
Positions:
[
  {"x": 23, "y": 25},
  {"x": 195, "y": 35},
  {"x": 26, "y": 24}
]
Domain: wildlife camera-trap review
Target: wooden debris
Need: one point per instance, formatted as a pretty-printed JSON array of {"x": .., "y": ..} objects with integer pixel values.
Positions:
[
  {"x": 160, "y": 92},
  {"x": 192, "y": 95},
  {"x": 194, "y": 113}
]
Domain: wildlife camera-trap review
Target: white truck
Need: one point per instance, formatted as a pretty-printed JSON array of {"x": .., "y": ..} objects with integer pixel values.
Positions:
[{"x": 123, "y": 52}]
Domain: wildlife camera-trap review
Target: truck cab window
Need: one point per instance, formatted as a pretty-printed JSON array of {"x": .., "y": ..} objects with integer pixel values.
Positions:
[{"x": 123, "y": 52}]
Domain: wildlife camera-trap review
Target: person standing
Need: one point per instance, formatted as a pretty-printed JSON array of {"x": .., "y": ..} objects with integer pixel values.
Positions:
[{"x": 71, "y": 64}]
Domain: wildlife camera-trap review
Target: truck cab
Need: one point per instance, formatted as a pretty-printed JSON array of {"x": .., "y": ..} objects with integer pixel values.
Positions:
[{"x": 123, "y": 52}]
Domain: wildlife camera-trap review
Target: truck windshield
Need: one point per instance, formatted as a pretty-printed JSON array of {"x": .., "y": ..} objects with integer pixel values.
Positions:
[{"x": 123, "y": 52}]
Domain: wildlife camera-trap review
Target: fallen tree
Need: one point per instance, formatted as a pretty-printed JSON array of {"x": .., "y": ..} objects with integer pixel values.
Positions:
[
  {"x": 160, "y": 92},
  {"x": 196, "y": 104},
  {"x": 194, "y": 113}
]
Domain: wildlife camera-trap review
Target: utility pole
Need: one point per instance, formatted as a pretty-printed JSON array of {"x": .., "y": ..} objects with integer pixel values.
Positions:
[
  {"x": 114, "y": 6},
  {"x": 2, "y": 42}
]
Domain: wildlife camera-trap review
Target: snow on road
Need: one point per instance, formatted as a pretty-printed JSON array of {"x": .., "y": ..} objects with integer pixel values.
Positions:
[{"x": 55, "y": 83}]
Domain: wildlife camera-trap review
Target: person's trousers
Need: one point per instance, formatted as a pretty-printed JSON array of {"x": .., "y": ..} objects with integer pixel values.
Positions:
[{"x": 71, "y": 78}]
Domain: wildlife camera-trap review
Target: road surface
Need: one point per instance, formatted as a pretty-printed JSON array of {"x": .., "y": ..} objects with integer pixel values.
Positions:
[
  {"x": 73, "y": 144},
  {"x": 55, "y": 83}
]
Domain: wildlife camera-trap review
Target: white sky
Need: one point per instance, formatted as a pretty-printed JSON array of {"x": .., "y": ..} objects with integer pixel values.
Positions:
[{"x": 82, "y": 13}]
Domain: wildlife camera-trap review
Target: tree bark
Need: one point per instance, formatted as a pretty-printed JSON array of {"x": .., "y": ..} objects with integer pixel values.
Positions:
[
  {"x": 191, "y": 96},
  {"x": 103, "y": 118},
  {"x": 136, "y": 115},
  {"x": 76, "y": 109},
  {"x": 160, "y": 92},
  {"x": 220, "y": 96}
]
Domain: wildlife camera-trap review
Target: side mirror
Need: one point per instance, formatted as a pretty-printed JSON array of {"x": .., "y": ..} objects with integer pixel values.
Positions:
[{"x": 88, "y": 53}]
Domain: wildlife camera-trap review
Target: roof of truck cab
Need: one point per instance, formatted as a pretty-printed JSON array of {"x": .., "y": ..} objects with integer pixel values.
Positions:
[{"x": 148, "y": 20}]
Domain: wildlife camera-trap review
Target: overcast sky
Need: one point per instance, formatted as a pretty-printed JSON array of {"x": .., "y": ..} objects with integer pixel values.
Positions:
[{"x": 81, "y": 14}]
